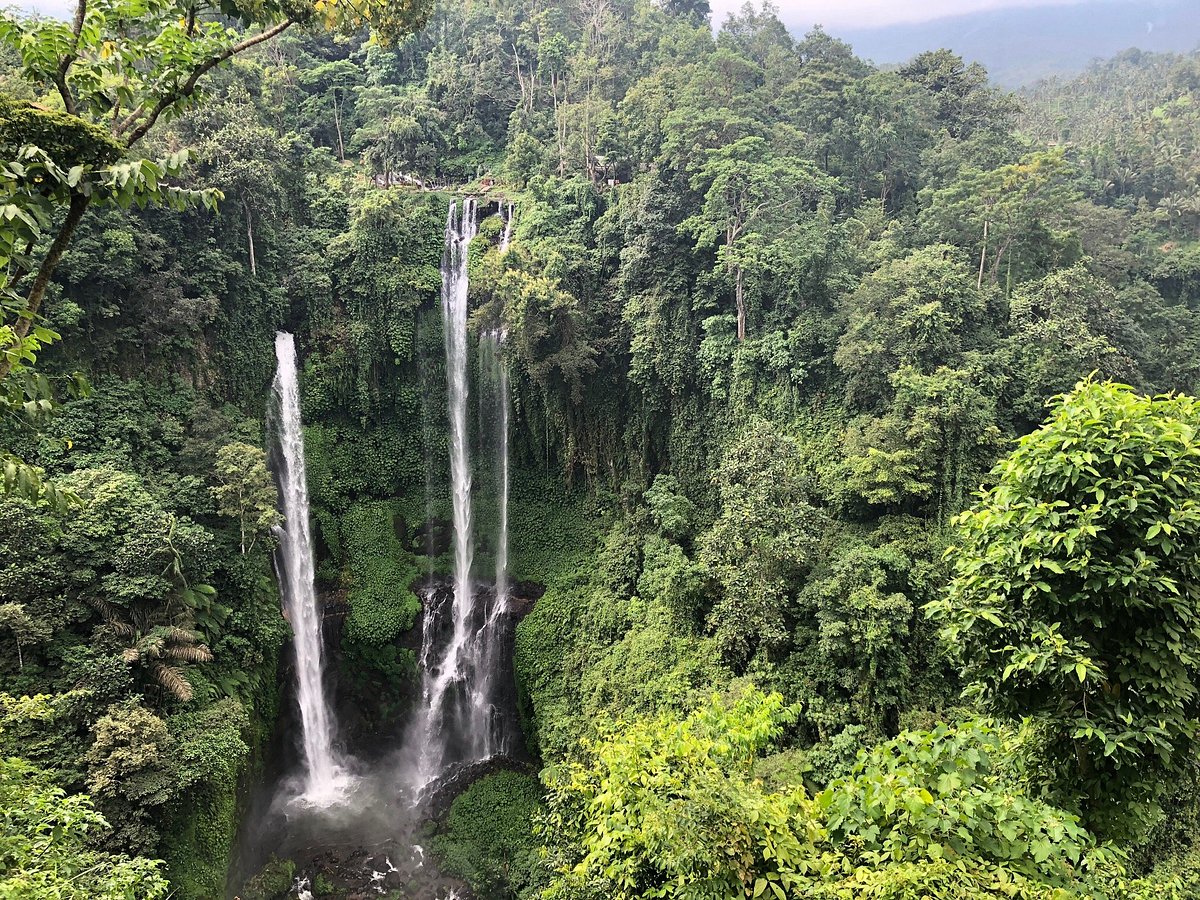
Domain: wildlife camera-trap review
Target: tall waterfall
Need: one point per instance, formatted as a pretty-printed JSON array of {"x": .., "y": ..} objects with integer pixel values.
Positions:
[
  {"x": 506, "y": 237},
  {"x": 463, "y": 629},
  {"x": 502, "y": 404},
  {"x": 324, "y": 776}
]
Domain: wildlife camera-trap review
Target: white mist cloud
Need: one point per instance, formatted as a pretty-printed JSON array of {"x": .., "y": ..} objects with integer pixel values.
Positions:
[{"x": 803, "y": 14}]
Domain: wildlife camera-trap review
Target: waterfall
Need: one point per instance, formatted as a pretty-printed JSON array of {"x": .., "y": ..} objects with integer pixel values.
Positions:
[
  {"x": 445, "y": 669},
  {"x": 503, "y": 401},
  {"x": 465, "y": 628},
  {"x": 324, "y": 777},
  {"x": 502, "y": 404},
  {"x": 506, "y": 238}
]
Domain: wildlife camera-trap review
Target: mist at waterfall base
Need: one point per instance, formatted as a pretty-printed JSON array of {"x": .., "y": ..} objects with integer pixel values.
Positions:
[{"x": 358, "y": 815}]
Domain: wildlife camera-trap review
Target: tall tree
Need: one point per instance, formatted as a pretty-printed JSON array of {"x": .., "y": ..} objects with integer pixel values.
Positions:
[
  {"x": 1075, "y": 580},
  {"x": 115, "y": 71},
  {"x": 751, "y": 199}
]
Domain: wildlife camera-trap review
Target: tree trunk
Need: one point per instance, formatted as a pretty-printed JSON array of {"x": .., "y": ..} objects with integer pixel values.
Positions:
[
  {"x": 250, "y": 236},
  {"x": 78, "y": 206},
  {"x": 337, "y": 124},
  {"x": 739, "y": 291},
  {"x": 560, "y": 123},
  {"x": 982, "y": 255}
]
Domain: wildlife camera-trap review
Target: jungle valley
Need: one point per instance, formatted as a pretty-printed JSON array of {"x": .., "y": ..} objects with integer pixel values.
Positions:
[{"x": 586, "y": 451}]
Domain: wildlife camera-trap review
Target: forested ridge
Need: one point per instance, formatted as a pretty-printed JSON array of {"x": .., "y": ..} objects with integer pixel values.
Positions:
[{"x": 855, "y": 490}]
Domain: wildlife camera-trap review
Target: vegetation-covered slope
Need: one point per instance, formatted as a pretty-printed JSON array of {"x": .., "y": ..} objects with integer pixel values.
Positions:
[{"x": 774, "y": 316}]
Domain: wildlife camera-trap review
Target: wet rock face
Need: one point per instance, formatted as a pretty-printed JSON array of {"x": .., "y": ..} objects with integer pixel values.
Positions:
[{"x": 432, "y": 537}]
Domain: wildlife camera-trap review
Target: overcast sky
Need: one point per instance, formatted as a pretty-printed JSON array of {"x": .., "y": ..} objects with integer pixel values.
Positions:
[
  {"x": 802, "y": 14},
  {"x": 799, "y": 14}
]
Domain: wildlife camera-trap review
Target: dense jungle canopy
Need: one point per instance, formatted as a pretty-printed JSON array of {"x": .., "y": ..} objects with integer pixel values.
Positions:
[{"x": 855, "y": 472}]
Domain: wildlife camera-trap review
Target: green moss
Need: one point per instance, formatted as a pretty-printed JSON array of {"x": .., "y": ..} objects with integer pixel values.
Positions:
[
  {"x": 199, "y": 852},
  {"x": 552, "y": 531},
  {"x": 273, "y": 880},
  {"x": 69, "y": 140},
  {"x": 379, "y": 574}
]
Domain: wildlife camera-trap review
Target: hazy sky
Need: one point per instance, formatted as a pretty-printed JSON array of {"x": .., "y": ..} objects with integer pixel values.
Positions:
[
  {"x": 799, "y": 14},
  {"x": 802, "y": 14}
]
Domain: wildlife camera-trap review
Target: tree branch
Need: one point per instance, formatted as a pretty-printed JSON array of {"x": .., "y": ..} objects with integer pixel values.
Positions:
[
  {"x": 79, "y": 205},
  {"x": 64, "y": 64},
  {"x": 189, "y": 87}
]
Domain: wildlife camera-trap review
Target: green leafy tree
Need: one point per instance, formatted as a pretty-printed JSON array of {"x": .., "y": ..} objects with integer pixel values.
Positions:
[
  {"x": 1074, "y": 583},
  {"x": 48, "y": 846},
  {"x": 129, "y": 771},
  {"x": 670, "y": 809},
  {"x": 1005, "y": 212},
  {"x": 670, "y": 508},
  {"x": 115, "y": 70},
  {"x": 27, "y": 630},
  {"x": 752, "y": 197},
  {"x": 761, "y": 544},
  {"x": 141, "y": 569},
  {"x": 955, "y": 793},
  {"x": 246, "y": 491},
  {"x": 918, "y": 311},
  {"x": 1064, "y": 326}
]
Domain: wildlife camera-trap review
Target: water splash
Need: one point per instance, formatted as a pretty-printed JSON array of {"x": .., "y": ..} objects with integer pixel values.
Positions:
[{"x": 325, "y": 779}]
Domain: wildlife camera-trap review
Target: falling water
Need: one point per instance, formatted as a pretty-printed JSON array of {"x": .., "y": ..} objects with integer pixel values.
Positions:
[
  {"x": 502, "y": 401},
  {"x": 466, "y": 629},
  {"x": 324, "y": 779},
  {"x": 506, "y": 239},
  {"x": 445, "y": 675}
]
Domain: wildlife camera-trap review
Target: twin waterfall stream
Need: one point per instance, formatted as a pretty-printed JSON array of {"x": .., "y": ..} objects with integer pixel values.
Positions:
[{"x": 458, "y": 721}]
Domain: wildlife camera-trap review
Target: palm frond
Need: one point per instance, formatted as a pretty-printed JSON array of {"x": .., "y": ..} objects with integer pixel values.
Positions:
[
  {"x": 175, "y": 635},
  {"x": 172, "y": 680},
  {"x": 108, "y": 612},
  {"x": 189, "y": 654}
]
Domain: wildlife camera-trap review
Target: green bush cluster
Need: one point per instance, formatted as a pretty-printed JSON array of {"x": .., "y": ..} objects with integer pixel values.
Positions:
[{"x": 488, "y": 837}]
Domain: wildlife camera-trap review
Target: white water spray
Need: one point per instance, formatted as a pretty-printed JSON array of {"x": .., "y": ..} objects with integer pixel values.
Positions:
[{"x": 324, "y": 779}]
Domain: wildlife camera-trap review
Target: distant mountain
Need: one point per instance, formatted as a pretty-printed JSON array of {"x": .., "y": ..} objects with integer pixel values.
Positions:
[{"x": 1020, "y": 46}]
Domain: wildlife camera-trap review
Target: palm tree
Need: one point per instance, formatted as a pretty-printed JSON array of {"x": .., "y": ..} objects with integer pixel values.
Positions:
[{"x": 158, "y": 639}]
